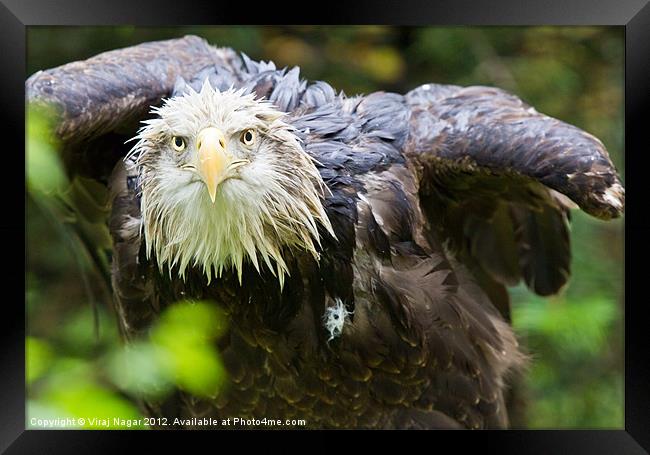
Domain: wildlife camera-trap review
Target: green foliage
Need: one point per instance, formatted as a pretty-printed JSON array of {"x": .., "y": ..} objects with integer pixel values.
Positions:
[
  {"x": 180, "y": 352},
  {"x": 99, "y": 379},
  {"x": 64, "y": 378},
  {"x": 574, "y": 380},
  {"x": 572, "y": 328},
  {"x": 45, "y": 174},
  {"x": 73, "y": 389},
  {"x": 575, "y": 340},
  {"x": 38, "y": 358}
]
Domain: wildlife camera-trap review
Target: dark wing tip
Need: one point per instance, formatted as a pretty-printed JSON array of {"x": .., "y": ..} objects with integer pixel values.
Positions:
[
  {"x": 608, "y": 204},
  {"x": 592, "y": 180}
]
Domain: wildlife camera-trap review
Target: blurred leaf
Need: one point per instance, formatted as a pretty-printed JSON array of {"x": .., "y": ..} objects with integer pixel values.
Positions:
[
  {"x": 188, "y": 322},
  {"x": 72, "y": 389},
  {"x": 141, "y": 370},
  {"x": 39, "y": 357},
  {"x": 198, "y": 369},
  {"x": 184, "y": 334},
  {"x": 44, "y": 172},
  {"x": 99, "y": 406}
]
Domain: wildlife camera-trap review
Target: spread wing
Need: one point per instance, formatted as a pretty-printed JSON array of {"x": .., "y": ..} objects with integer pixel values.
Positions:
[
  {"x": 498, "y": 179},
  {"x": 101, "y": 94}
]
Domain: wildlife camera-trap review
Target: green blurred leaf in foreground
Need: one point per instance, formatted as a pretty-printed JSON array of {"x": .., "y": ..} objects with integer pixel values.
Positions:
[
  {"x": 45, "y": 174},
  {"x": 180, "y": 351},
  {"x": 39, "y": 358},
  {"x": 100, "y": 392}
]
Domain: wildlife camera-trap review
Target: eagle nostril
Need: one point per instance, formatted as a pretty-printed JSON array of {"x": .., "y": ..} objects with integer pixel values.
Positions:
[{"x": 222, "y": 143}]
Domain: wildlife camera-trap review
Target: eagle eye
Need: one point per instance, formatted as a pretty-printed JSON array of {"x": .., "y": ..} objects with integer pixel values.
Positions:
[
  {"x": 248, "y": 137},
  {"x": 178, "y": 143}
]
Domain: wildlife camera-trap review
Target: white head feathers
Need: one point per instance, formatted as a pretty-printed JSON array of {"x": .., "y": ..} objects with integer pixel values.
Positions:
[{"x": 267, "y": 205}]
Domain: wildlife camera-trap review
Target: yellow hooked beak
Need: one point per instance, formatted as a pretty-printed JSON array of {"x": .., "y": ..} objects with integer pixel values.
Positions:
[{"x": 214, "y": 160}]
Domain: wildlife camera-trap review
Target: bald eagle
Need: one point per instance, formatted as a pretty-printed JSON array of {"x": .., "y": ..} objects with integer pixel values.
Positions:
[{"x": 361, "y": 246}]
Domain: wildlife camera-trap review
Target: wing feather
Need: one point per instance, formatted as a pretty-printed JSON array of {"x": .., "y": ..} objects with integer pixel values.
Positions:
[
  {"x": 489, "y": 131},
  {"x": 98, "y": 95},
  {"x": 497, "y": 180}
]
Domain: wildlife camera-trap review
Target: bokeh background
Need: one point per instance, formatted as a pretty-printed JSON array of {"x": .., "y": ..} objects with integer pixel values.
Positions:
[{"x": 76, "y": 364}]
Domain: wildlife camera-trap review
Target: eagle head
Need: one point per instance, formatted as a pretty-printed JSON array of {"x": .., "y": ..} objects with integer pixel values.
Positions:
[{"x": 224, "y": 180}]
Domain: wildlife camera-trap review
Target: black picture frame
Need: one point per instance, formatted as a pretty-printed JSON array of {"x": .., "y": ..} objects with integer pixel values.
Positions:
[{"x": 634, "y": 15}]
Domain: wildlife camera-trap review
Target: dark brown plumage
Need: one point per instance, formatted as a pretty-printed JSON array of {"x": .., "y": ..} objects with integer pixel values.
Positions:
[{"x": 438, "y": 199}]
